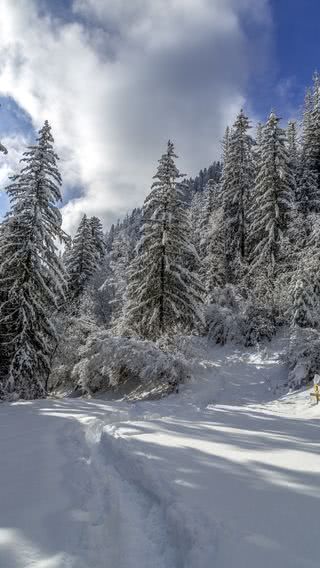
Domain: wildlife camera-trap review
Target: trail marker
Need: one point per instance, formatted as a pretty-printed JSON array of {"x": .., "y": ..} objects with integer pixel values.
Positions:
[{"x": 316, "y": 392}]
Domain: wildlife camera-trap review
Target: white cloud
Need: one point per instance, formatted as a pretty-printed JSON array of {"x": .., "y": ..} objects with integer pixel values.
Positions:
[
  {"x": 120, "y": 78},
  {"x": 15, "y": 145}
]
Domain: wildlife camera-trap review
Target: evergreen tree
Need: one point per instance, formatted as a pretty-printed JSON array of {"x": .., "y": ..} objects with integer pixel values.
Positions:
[
  {"x": 209, "y": 202},
  {"x": 82, "y": 260},
  {"x": 293, "y": 149},
  {"x": 163, "y": 295},
  {"x": 214, "y": 262},
  {"x": 109, "y": 238},
  {"x": 119, "y": 264},
  {"x": 314, "y": 136},
  {"x": 237, "y": 183},
  {"x": 272, "y": 200},
  {"x": 256, "y": 150},
  {"x": 98, "y": 238},
  {"x": 197, "y": 208},
  {"x": 31, "y": 274},
  {"x": 308, "y": 195},
  {"x": 200, "y": 182},
  {"x": 225, "y": 146},
  {"x": 304, "y": 303},
  {"x": 305, "y": 283}
]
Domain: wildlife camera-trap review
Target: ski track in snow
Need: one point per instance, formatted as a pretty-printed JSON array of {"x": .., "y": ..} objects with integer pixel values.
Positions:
[{"x": 226, "y": 475}]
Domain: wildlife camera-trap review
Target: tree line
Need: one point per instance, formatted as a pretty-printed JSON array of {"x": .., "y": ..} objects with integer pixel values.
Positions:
[{"x": 236, "y": 246}]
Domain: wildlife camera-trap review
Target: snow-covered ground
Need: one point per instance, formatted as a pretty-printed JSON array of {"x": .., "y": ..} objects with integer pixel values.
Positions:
[{"x": 226, "y": 475}]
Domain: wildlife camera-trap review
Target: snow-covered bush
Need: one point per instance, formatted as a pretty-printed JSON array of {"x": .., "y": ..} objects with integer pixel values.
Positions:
[
  {"x": 74, "y": 332},
  {"x": 223, "y": 324},
  {"x": 303, "y": 356},
  {"x": 233, "y": 317},
  {"x": 258, "y": 323},
  {"x": 108, "y": 362},
  {"x": 223, "y": 318}
]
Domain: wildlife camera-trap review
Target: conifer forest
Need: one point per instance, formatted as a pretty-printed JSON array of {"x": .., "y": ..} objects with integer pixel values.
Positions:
[
  {"x": 160, "y": 375},
  {"x": 230, "y": 255}
]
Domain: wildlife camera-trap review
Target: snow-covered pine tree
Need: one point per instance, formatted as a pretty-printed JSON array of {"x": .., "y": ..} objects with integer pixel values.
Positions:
[
  {"x": 109, "y": 283},
  {"x": 98, "y": 238},
  {"x": 293, "y": 149},
  {"x": 294, "y": 238},
  {"x": 197, "y": 206},
  {"x": 82, "y": 260},
  {"x": 272, "y": 199},
  {"x": 304, "y": 302},
  {"x": 163, "y": 295},
  {"x": 32, "y": 279},
  {"x": 4, "y": 351},
  {"x": 251, "y": 237},
  {"x": 199, "y": 183},
  {"x": 209, "y": 203},
  {"x": 109, "y": 238},
  {"x": 201, "y": 236},
  {"x": 225, "y": 146},
  {"x": 212, "y": 269},
  {"x": 237, "y": 183},
  {"x": 308, "y": 195},
  {"x": 119, "y": 263},
  {"x": 314, "y": 141},
  {"x": 256, "y": 150},
  {"x": 305, "y": 284},
  {"x": 214, "y": 262}
]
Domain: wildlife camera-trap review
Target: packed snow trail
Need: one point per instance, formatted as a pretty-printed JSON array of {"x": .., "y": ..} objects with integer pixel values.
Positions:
[{"x": 224, "y": 475}]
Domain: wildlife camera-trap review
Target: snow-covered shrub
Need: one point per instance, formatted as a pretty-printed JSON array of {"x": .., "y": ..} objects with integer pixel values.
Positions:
[
  {"x": 108, "y": 362},
  {"x": 233, "y": 317},
  {"x": 223, "y": 324},
  {"x": 74, "y": 332},
  {"x": 303, "y": 356},
  {"x": 258, "y": 323}
]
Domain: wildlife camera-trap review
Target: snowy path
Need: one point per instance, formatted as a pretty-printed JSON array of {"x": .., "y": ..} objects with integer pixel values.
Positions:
[{"x": 220, "y": 476}]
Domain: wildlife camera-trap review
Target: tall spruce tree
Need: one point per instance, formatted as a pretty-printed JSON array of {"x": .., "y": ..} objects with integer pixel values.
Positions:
[
  {"x": 197, "y": 208},
  {"x": 293, "y": 149},
  {"x": 3, "y": 357},
  {"x": 98, "y": 238},
  {"x": 225, "y": 145},
  {"x": 272, "y": 199},
  {"x": 237, "y": 183},
  {"x": 119, "y": 263},
  {"x": 163, "y": 295},
  {"x": 314, "y": 141},
  {"x": 304, "y": 302},
  {"x": 305, "y": 282},
  {"x": 214, "y": 262},
  {"x": 83, "y": 258},
  {"x": 32, "y": 279},
  {"x": 308, "y": 195}
]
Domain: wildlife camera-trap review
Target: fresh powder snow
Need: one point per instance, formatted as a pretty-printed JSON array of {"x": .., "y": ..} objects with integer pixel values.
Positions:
[{"x": 225, "y": 474}]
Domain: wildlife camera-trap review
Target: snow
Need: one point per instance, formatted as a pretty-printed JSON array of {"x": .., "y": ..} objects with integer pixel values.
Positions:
[{"x": 225, "y": 474}]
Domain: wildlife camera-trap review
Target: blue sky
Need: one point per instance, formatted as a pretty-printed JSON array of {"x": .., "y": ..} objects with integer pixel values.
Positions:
[
  {"x": 116, "y": 79},
  {"x": 294, "y": 56}
]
